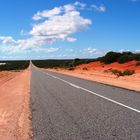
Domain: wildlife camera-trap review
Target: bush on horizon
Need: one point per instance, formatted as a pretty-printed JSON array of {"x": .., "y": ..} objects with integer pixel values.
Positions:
[
  {"x": 121, "y": 58},
  {"x": 110, "y": 57}
]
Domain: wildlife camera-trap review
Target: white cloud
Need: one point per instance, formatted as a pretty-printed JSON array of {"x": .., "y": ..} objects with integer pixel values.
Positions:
[
  {"x": 90, "y": 50},
  {"x": 70, "y": 39},
  {"x": 55, "y": 24},
  {"x": 121, "y": 50},
  {"x": 52, "y": 49},
  {"x": 60, "y": 27},
  {"x": 23, "y": 33},
  {"x": 93, "y": 51},
  {"x": 58, "y": 10},
  {"x": 137, "y": 51},
  {"x": 7, "y": 40},
  {"x": 80, "y": 5},
  {"x": 47, "y": 13},
  {"x": 100, "y": 8},
  {"x": 46, "y": 50},
  {"x": 69, "y": 8}
]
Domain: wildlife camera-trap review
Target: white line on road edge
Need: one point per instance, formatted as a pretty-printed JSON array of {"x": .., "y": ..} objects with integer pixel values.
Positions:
[
  {"x": 76, "y": 86},
  {"x": 73, "y": 85}
]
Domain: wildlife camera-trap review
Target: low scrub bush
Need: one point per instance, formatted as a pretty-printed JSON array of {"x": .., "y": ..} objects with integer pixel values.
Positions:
[
  {"x": 121, "y": 58},
  {"x": 84, "y": 68},
  {"x": 119, "y": 73},
  {"x": 126, "y": 57},
  {"x": 110, "y": 57},
  {"x": 71, "y": 68},
  {"x": 128, "y": 72}
]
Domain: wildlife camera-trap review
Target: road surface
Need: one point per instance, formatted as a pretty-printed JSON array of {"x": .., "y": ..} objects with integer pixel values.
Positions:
[{"x": 69, "y": 108}]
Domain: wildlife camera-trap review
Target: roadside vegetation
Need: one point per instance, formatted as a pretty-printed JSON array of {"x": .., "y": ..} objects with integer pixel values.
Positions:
[
  {"x": 69, "y": 64},
  {"x": 13, "y": 65},
  {"x": 119, "y": 73},
  {"x": 110, "y": 57},
  {"x": 121, "y": 58}
]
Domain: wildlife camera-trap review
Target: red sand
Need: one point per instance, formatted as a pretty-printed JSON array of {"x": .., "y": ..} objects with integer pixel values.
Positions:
[
  {"x": 100, "y": 66},
  {"x": 14, "y": 105},
  {"x": 96, "y": 71}
]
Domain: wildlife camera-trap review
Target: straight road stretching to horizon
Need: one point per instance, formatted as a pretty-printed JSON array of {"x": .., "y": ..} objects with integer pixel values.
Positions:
[{"x": 69, "y": 108}]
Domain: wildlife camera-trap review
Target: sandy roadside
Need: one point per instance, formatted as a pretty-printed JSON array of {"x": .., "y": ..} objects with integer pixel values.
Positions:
[
  {"x": 14, "y": 107},
  {"x": 128, "y": 82}
]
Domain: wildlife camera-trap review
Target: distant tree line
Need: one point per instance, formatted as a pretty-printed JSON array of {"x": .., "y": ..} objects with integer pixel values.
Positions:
[
  {"x": 109, "y": 58},
  {"x": 13, "y": 65},
  {"x": 67, "y": 63}
]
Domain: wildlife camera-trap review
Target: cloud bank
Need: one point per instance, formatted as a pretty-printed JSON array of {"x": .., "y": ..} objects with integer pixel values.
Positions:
[{"x": 58, "y": 23}]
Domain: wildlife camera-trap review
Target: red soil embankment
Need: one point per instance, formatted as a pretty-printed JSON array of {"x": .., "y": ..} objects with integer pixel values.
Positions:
[
  {"x": 100, "y": 66},
  {"x": 14, "y": 105},
  {"x": 5, "y": 76}
]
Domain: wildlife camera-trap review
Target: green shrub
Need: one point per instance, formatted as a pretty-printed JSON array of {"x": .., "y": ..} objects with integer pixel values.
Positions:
[
  {"x": 137, "y": 57},
  {"x": 121, "y": 58},
  {"x": 119, "y": 73},
  {"x": 71, "y": 68},
  {"x": 84, "y": 68},
  {"x": 128, "y": 72},
  {"x": 110, "y": 57},
  {"x": 125, "y": 58},
  {"x": 77, "y": 60}
]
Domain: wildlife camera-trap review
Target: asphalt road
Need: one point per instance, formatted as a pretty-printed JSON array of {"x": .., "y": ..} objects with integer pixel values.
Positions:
[{"x": 69, "y": 108}]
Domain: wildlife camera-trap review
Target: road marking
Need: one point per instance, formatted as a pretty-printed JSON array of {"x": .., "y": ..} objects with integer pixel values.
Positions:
[
  {"x": 89, "y": 91},
  {"x": 73, "y": 85}
]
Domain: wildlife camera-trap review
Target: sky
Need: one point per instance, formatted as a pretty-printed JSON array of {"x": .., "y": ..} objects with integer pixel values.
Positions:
[{"x": 62, "y": 29}]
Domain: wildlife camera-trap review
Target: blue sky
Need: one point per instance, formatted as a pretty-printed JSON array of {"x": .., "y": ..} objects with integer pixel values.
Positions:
[{"x": 41, "y": 29}]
